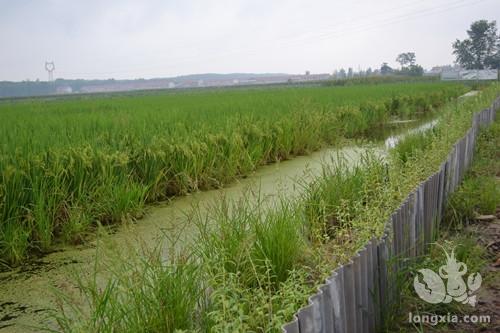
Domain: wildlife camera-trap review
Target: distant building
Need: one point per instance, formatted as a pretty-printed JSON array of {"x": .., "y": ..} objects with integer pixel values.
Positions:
[
  {"x": 64, "y": 90},
  {"x": 473, "y": 74},
  {"x": 437, "y": 70},
  {"x": 310, "y": 77}
]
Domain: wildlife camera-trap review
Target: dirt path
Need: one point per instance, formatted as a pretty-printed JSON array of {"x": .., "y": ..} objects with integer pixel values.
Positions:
[{"x": 488, "y": 235}]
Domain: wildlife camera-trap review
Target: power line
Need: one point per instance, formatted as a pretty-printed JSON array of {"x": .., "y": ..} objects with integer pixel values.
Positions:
[
  {"x": 397, "y": 19},
  {"x": 292, "y": 38},
  {"x": 314, "y": 37}
]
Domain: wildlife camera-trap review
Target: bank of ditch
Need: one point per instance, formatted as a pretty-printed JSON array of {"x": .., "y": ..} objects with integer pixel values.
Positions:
[
  {"x": 471, "y": 230},
  {"x": 254, "y": 268}
]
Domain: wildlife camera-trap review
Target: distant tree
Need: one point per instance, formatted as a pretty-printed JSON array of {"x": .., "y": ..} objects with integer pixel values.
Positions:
[
  {"x": 408, "y": 65},
  {"x": 369, "y": 71},
  {"x": 350, "y": 72},
  {"x": 493, "y": 62},
  {"x": 413, "y": 70},
  {"x": 482, "y": 49},
  {"x": 385, "y": 69},
  {"x": 406, "y": 59},
  {"x": 342, "y": 74}
]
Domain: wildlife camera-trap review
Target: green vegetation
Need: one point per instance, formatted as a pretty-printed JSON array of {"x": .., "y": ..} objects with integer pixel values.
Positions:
[
  {"x": 261, "y": 264},
  {"x": 67, "y": 165},
  {"x": 466, "y": 250},
  {"x": 333, "y": 200},
  {"x": 411, "y": 145},
  {"x": 479, "y": 193},
  {"x": 144, "y": 294},
  {"x": 381, "y": 79},
  {"x": 480, "y": 50},
  {"x": 254, "y": 264}
]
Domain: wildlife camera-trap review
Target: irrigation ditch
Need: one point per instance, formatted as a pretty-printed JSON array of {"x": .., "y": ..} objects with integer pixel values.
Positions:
[
  {"x": 355, "y": 296},
  {"x": 27, "y": 292}
]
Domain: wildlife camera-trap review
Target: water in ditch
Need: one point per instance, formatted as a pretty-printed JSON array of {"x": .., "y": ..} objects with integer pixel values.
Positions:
[{"x": 27, "y": 293}]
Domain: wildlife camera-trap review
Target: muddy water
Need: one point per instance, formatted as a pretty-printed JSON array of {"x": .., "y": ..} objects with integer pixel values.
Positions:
[
  {"x": 27, "y": 293},
  {"x": 393, "y": 140}
]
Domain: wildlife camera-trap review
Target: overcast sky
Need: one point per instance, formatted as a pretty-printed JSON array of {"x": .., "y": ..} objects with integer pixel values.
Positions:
[{"x": 154, "y": 38}]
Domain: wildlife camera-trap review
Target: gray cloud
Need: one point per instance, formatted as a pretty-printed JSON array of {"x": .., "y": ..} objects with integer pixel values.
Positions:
[{"x": 154, "y": 38}]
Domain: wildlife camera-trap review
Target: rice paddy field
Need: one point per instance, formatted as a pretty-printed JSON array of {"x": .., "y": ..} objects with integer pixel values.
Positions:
[
  {"x": 251, "y": 267},
  {"x": 70, "y": 165},
  {"x": 67, "y": 165}
]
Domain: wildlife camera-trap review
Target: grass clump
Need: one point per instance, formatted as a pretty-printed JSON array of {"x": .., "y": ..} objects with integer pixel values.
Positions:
[
  {"x": 144, "y": 293},
  {"x": 410, "y": 145},
  {"x": 476, "y": 196},
  {"x": 334, "y": 199},
  {"x": 465, "y": 249},
  {"x": 279, "y": 245},
  {"x": 243, "y": 240}
]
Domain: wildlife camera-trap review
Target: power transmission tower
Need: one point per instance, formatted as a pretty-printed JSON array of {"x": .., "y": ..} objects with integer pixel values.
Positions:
[{"x": 50, "y": 68}]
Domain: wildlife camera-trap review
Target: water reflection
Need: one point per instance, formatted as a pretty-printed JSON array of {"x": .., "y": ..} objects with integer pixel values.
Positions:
[{"x": 393, "y": 140}]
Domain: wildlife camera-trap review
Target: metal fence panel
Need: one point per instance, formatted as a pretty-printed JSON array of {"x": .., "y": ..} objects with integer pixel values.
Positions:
[
  {"x": 350, "y": 298},
  {"x": 292, "y": 327},
  {"x": 306, "y": 319},
  {"x": 358, "y": 292},
  {"x": 338, "y": 300},
  {"x": 327, "y": 307}
]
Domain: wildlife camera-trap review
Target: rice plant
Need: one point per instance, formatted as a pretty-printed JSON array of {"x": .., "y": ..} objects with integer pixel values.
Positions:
[{"x": 67, "y": 165}]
